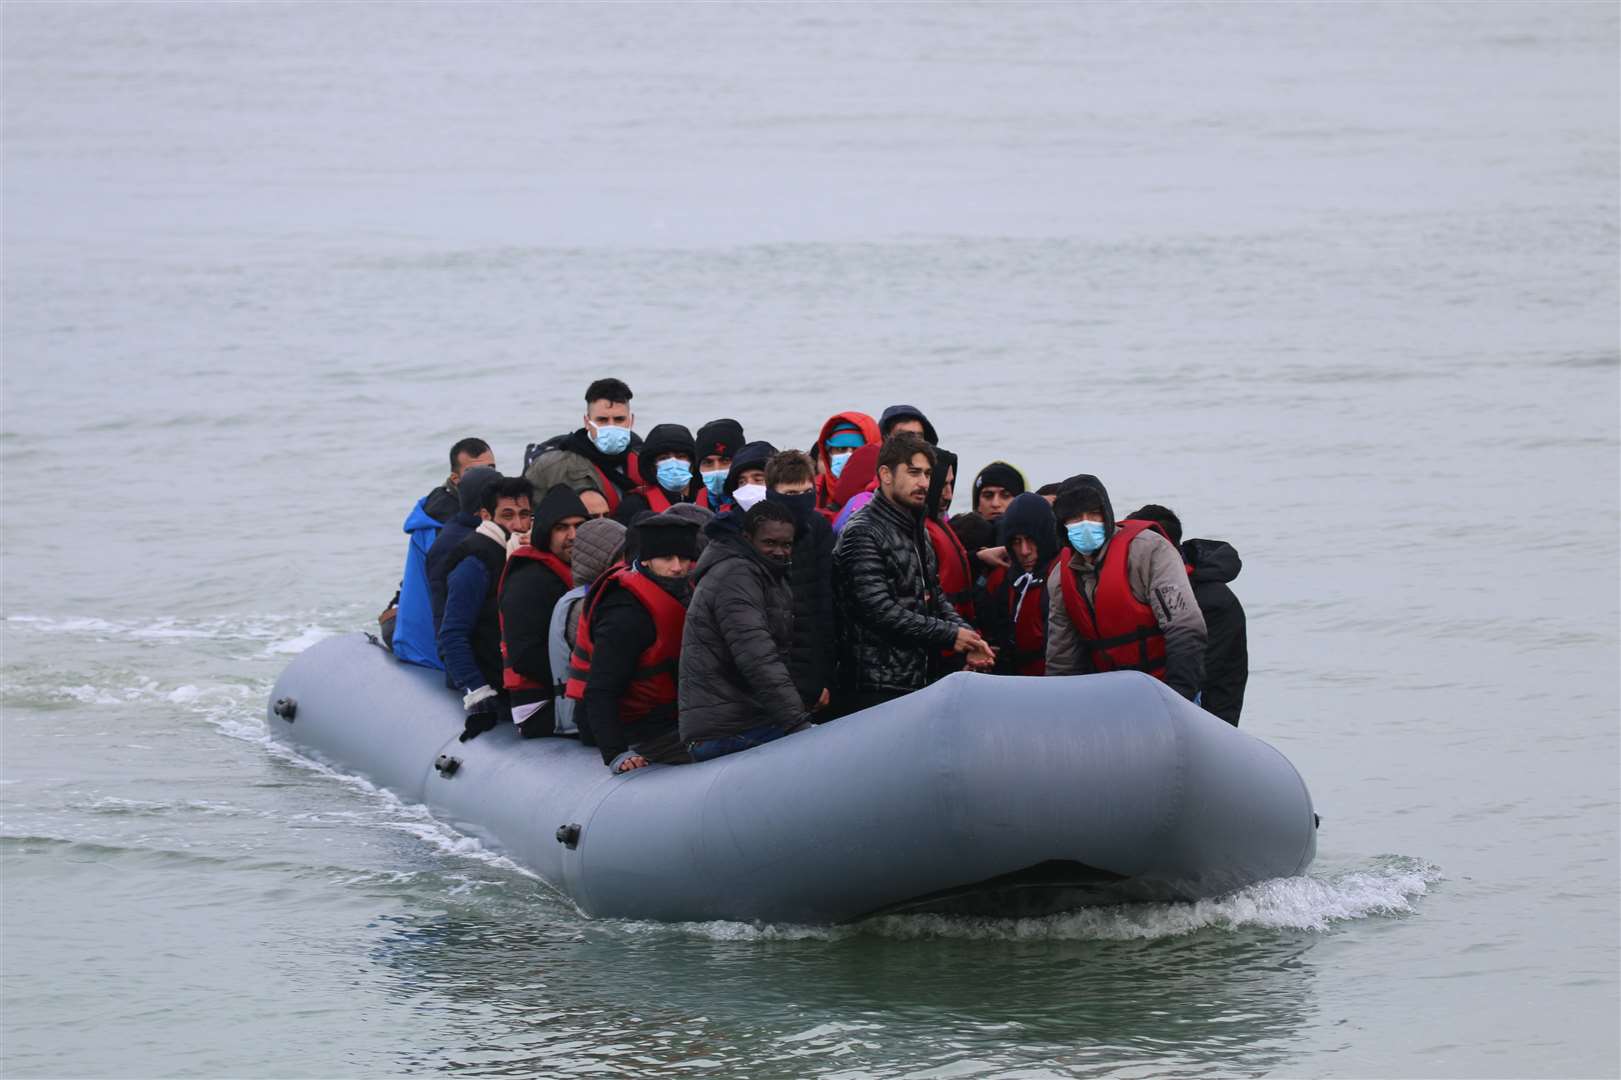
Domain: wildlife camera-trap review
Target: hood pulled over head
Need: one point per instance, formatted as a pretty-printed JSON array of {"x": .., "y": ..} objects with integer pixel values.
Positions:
[
  {"x": 471, "y": 489},
  {"x": 1028, "y": 515}
]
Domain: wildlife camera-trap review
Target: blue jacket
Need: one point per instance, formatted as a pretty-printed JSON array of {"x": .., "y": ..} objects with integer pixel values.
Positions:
[
  {"x": 414, "y": 622},
  {"x": 466, "y": 590}
]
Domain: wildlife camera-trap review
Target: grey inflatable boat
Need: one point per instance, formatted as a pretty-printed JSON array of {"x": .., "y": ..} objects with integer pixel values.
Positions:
[{"x": 982, "y": 794}]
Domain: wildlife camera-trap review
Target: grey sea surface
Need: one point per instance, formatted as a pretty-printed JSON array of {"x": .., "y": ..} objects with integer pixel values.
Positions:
[{"x": 1336, "y": 282}]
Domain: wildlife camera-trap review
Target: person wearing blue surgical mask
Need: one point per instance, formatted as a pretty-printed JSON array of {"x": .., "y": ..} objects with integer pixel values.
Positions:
[
  {"x": 1120, "y": 600},
  {"x": 841, "y": 436},
  {"x": 666, "y": 460},
  {"x": 718, "y": 442},
  {"x": 601, "y": 455}
]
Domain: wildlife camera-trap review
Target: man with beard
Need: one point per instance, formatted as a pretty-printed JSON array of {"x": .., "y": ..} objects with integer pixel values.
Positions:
[
  {"x": 624, "y": 665},
  {"x": 470, "y": 634},
  {"x": 888, "y": 587},
  {"x": 736, "y": 691},
  {"x": 600, "y": 455}
]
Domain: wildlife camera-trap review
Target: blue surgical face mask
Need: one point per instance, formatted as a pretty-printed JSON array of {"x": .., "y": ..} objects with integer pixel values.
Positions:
[
  {"x": 715, "y": 482},
  {"x": 1085, "y": 536},
  {"x": 836, "y": 462},
  {"x": 674, "y": 474},
  {"x": 612, "y": 441}
]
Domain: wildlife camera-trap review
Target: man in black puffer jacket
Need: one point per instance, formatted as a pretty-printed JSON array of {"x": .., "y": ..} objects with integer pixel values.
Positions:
[
  {"x": 735, "y": 688},
  {"x": 894, "y": 617},
  {"x": 790, "y": 478}
]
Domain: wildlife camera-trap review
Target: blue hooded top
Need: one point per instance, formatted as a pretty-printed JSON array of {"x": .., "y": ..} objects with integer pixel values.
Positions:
[{"x": 413, "y": 623}]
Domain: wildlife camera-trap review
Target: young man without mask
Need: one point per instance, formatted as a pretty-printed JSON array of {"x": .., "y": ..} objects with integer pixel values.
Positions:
[
  {"x": 413, "y": 625},
  {"x": 470, "y": 633}
]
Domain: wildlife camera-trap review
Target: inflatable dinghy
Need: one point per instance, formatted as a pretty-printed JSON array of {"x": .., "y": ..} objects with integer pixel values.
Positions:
[{"x": 982, "y": 794}]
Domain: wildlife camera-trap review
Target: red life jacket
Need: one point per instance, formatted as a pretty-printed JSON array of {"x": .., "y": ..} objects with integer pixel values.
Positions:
[
  {"x": 653, "y": 685},
  {"x": 510, "y": 678},
  {"x": 633, "y": 469},
  {"x": 1026, "y": 653},
  {"x": 658, "y": 501},
  {"x": 955, "y": 566},
  {"x": 1116, "y": 629}
]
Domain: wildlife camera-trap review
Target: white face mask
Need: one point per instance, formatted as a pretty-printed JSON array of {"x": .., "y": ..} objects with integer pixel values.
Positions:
[{"x": 749, "y": 494}]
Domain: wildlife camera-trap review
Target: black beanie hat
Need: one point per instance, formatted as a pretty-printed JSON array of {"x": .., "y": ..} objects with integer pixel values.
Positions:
[
  {"x": 470, "y": 490},
  {"x": 999, "y": 474},
  {"x": 721, "y": 438},
  {"x": 559, "y": 502},
  {"x": 752, "y": 455},
  {"x": 664, "y": 439},
  {"x": 663, "y": 535}
]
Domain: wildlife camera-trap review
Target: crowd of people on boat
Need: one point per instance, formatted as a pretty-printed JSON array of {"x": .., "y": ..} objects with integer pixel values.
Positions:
[{"x": 678, "y": 597}]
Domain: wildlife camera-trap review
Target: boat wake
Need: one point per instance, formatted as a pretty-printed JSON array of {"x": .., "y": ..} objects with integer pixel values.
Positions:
[{"x": 1389, "y": 885}]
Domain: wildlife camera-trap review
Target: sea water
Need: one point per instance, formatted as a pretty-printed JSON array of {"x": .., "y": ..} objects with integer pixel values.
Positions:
[{"x": 1336, "y": 282}]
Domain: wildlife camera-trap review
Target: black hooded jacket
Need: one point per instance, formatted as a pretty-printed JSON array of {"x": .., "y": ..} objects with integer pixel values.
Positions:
[
  {"x": 663, "y": 439},
  {"x": 893, "y": 618},
  {"x": 813, "y": 656},
  {"x": 734, "y": 674},
  {"x": 1027, "y": 515},
  {"x": 753, "y": 455},
  {"x": 896, "y": 413},
  {"x": 1227, "y": 660},
  {"x": 528, "y": 595},
  {"x": 469, "y": 493}
]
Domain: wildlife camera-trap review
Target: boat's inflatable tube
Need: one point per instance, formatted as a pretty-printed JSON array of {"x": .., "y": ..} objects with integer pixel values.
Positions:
[{"x": 984, "y": 794}]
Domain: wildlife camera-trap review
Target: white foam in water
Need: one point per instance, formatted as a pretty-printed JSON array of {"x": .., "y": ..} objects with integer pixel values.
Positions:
[
  {"x": 272, "y": 628},
  {"x": 309, "y": 636},
  {"x": 1308, "y": 903}
]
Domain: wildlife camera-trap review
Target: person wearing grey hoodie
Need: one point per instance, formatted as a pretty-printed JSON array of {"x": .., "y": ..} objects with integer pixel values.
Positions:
[
  {"x": 598, "y": 545},
  {"x": 1121, "y": 600}
]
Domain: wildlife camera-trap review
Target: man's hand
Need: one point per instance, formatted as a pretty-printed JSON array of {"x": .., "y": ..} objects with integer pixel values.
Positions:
[
  {"x": 821, "y": 702},
  {"x": 985, "y": 661},
  {"x": 635, "y": 761},
  {"x": 996, "y": 556},
  {"x": 969, "y": 641},
  {"x": 483, "y": 709}
]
